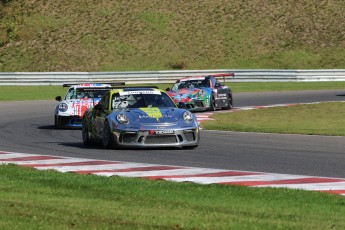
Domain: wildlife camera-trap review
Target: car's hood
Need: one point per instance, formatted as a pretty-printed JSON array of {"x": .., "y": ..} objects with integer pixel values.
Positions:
[
  {"x": 154, "y": 116},
  {"x": 184, "y": 95},
  {"x": 77, "y": 107}
]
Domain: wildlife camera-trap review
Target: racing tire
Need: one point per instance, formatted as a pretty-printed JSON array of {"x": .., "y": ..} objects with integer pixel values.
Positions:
[
  {"x": 230, "y": 103},
  {"x": 87, "y": 139},
  {"x": 213, "y": 104},
  {"x": 108, "y": 139},
  {"x": 56, "y": 122}
]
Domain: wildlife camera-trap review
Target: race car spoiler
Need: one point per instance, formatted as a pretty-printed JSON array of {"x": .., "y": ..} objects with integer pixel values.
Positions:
[
  {"x": 117, "y": 87},
  {"x": 85, "y": 83},
  {"x": 223, "y": 75}
]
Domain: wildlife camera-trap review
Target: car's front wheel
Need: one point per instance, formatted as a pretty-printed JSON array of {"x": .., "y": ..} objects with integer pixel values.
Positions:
[
  {"x": 87, "y": 139},
  {"x": 213, "y": 104},
  {"x": 108, "y": 139},
  {"x": 56, "y": 122}
]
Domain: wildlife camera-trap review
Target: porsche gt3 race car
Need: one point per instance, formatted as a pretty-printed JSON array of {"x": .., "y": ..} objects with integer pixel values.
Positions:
[
  {"x": 79, "y": 97},
  {"x": 139, "y": 117},
  {"x": 201, "y": 93}
]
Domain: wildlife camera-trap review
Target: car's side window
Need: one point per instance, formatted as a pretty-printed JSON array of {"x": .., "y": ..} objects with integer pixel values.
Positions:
[
  {"x": 213, "y": 82},
  {"x": 218, "y": 84},
  {"x": 70, "y": 94},
  {"x": 206, "y": 82},
  {"x": 105, "y": 101}
]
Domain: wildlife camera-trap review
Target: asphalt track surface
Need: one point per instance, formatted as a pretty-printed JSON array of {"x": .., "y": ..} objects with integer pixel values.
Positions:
[{"x": 27, "y": 127}]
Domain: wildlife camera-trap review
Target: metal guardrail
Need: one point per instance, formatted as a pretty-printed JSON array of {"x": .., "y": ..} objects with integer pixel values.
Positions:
[{"x": 155, "y": 77}]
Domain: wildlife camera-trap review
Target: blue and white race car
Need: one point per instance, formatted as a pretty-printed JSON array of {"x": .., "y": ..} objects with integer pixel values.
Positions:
[{"x": 139, "y": 117}]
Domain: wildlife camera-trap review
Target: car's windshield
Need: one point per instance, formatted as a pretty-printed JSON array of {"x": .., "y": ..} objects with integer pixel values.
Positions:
[
  {"x": 190, "y": 84},
  {"x": 85, "y": 93},
  {"x": 141, "y": 99}
]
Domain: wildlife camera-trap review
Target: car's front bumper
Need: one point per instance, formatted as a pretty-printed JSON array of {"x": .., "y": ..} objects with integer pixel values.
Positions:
[
  {"x": 155, "y": 138},
  {"x": 194, "y": 105},
  {"x": 68, "y": 121}
]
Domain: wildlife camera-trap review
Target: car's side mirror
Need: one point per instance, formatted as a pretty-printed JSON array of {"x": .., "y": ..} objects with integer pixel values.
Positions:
[
  {"x": 99, "y": 107},
  {"x": 58, "y": 98},
  {"x": 167, "y": 89}
]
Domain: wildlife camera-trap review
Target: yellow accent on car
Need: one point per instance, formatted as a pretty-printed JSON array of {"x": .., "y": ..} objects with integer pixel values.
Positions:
[{"x": 153, "y": 112}]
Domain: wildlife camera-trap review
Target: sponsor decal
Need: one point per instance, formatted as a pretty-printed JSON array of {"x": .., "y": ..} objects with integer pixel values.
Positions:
[
  {"x": 139, "y": 92},
  {"x": 164, "y": 131},
  {"x": 160, "y": 132},
  {"x": 152, "y": 113}
]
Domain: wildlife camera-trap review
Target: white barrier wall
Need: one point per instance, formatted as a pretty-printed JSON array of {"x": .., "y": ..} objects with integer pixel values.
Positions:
[{"x": 154, "y": 77}]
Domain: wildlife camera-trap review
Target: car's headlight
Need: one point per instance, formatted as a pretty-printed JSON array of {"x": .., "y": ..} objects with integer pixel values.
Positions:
[
  {"x": 202, "y": 93},
  {"x": 187, "y": 116},
  {"x": 63, "y": 107},
  {"x": 122, "y": 119}
]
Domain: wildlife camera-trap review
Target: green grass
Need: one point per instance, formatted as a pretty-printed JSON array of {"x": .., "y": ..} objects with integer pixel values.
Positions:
[
  {"x": 19, "y": 93},
  {"x": 32, "y": 199},
  {"x": 313, "y": 119},
  {"x": 158, "y": 35}
]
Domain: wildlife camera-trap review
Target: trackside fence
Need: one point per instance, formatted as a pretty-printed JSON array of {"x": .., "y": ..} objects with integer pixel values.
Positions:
[{"x": 155, "y": 77}]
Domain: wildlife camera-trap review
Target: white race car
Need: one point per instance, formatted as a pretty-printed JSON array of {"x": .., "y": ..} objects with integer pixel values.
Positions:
[{"x": 79, "y": 97}]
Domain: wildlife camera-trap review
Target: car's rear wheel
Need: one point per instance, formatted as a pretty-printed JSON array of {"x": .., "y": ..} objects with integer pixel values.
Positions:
[
  {"x": 87, "y": 139},
  {"x": 108, "y": 139},
  {"x": 230, "y": 102}
]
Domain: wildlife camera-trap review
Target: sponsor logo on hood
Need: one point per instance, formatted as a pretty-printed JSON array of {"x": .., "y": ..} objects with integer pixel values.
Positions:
[{"x": 153, "y": 112}]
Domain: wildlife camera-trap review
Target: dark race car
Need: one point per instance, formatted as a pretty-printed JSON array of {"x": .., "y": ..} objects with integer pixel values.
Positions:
[
  {"x": 139, "y": 117},
  {"x": 201, "y": 93}
]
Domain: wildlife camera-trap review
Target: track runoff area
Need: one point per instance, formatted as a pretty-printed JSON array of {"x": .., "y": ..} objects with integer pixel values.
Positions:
[{"x": 178, "y": 173}]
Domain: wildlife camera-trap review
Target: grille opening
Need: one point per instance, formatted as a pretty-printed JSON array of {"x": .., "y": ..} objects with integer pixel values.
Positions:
[
  {"x": 199, "y": 103},
  {"x": 140, "y": 140},
  {"x": 190, "y": 136},
  {"x": 127, "y": 137},
  {"x": 180, "y": 138},
  {"x": 164, "y": 139}
]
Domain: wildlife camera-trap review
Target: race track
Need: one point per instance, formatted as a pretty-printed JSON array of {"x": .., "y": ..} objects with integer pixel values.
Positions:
[{"x": 28, "y": 127}]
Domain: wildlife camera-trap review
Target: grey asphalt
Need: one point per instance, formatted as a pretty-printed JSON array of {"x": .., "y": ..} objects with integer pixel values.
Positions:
[{"x": 28, "y": 127}]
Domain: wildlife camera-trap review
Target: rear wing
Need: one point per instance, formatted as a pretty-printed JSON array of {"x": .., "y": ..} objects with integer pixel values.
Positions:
[
  {"x": 223, "y": 75},
  {"x": 116, "y": 87},
  {"x": 219, "y": 75},
  {"x": 94, "y": 83}
]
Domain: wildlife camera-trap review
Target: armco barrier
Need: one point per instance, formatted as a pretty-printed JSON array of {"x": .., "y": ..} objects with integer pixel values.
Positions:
[{"x": 154, "y": 77}]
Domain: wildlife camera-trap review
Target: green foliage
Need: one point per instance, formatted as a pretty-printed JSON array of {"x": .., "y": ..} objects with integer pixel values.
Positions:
[
  {"x": 159, "y": 35},
  {"x": 11, "y": 29},
  {"x": 5, "y": 1}
]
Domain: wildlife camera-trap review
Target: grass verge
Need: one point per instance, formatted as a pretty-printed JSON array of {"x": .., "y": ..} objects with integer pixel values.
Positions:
[
  {"x": 32, "y": 199},
  {"x": 312, "y": 119},
  {"x": 19, "y": 93}
]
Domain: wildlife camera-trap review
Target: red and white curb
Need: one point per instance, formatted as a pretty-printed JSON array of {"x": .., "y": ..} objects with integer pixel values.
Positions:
[{"x": 174, "y": 173}]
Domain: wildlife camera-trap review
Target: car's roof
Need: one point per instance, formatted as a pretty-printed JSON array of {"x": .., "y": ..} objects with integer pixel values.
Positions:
[
  {"x": 90, "y": 85},
  {"x": 127, "y": 89},
  {"x": 192, "y": 78}
]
